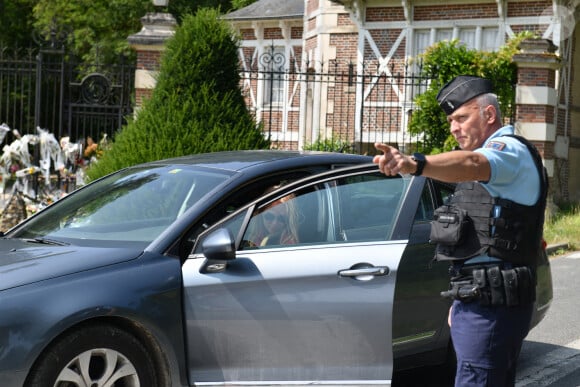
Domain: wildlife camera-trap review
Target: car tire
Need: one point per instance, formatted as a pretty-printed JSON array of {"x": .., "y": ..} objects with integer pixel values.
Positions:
[{"x": 95, "y": 355}]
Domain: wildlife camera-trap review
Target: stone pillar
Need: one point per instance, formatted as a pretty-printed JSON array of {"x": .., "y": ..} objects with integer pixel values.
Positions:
[
  {"x": 149, "y": 44},
  {"x": 536, "y": 97}
]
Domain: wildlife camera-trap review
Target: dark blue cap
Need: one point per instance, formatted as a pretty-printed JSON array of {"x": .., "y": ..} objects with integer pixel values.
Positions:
[{"x": 460, "y": 90}]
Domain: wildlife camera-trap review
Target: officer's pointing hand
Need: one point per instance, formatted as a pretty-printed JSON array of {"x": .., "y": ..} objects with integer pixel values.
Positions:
[{"x": 392, "y": 162}]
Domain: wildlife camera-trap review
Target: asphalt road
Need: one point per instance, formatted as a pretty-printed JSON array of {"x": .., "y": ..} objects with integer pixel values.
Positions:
[{"x": 551, "y": 352}]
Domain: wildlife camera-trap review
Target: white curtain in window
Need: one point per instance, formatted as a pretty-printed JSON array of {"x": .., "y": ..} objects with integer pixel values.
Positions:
[
  {"x": 422, "y": 40},
  {"x": 444, "y": 34},
  {"x": 489, "y": 40},
  {"x": 486, "y": 40},
  {"x": 467, "y": 37}
]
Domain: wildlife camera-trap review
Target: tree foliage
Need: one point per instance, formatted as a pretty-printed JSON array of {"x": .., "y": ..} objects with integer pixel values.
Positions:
[
  {"x": 447, "y": 59},
  {"x": 16, "y": 22},
  {"x": 180, "y": 8},
  {"x": 94, "y": 29},
  {"x": 197, "y": 105},
  {"x": 237, "y": 4},
  {"x": 98, "y": 29}
]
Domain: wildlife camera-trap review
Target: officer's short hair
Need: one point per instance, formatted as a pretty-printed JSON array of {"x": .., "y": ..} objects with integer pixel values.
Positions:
[{"x": 460, "y": 90}]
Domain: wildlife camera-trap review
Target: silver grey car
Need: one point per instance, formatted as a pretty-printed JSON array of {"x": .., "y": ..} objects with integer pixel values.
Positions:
[{"x": 233, "y": 268}]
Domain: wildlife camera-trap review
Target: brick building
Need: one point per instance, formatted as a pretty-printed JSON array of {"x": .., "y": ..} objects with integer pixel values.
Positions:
[
  {"x": 341, "y": 69},
  {"x": 378, "y": 37}
]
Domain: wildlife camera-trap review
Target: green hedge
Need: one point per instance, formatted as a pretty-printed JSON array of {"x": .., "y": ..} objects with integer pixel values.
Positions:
[{"x": 447, "y": 59}]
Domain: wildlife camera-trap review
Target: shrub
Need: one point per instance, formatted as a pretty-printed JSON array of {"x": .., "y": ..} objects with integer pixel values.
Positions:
[
  {"x": 197, "y": 105},
  {"x": 333, "y": 144},
  {"x": 447, "y": 59}
]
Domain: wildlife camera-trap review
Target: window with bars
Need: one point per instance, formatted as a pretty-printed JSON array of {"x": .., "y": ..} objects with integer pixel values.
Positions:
[{"x": 274, "y": 74}]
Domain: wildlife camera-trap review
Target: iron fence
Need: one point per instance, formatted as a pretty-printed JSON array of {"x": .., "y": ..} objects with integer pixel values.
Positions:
[
  {"x": 340, "y": 106},
  {"x": 44, "y": 87},
  {"x": 17, "y": 87}
]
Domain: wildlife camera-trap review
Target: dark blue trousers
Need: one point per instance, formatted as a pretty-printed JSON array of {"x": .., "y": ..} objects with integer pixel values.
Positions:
[{"x": 487, "y": 341}]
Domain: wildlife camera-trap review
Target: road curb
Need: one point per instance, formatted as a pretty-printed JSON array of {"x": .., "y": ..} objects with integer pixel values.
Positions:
[{"x": 551, "y": 249}]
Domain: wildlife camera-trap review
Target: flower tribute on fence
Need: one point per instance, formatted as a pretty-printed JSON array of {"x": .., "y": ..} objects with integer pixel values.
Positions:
[{"x": 36, "y": 170}]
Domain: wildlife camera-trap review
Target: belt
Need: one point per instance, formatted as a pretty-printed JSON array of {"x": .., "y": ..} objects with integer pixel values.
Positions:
[{"x": 492, "y": 285}]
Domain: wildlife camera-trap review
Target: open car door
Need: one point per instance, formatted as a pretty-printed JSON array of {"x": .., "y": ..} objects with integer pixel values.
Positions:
[{"x": 316, "y": 311}]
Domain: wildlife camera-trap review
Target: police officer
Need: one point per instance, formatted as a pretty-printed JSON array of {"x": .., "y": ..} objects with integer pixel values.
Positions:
[{"x": 490, "y": 231}]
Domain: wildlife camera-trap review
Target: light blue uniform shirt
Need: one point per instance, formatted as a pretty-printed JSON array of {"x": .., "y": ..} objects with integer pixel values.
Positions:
[{"x": 514, "y": 175}]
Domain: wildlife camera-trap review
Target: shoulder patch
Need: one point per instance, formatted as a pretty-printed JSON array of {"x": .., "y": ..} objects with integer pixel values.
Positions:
[{"x": 496, "y": 145}]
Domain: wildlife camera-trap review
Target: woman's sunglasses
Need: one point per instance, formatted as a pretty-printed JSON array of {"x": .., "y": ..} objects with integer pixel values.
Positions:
[{"x": 269, "y": 217}]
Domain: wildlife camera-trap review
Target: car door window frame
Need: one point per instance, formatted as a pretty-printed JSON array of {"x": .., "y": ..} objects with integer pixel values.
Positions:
[{"x": 326, "y": 182}]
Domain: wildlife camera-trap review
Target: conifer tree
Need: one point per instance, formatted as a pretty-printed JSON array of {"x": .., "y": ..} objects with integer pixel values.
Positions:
[{"x": 197, "y": 105}]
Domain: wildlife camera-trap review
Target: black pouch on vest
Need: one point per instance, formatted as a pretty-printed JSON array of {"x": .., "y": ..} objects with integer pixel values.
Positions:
[
  {"x": 495, "y": 283},
  {"x": 526, "y": 288},
  {"x": 511, "y": 286},
  {"x": 448, "y": 225}
]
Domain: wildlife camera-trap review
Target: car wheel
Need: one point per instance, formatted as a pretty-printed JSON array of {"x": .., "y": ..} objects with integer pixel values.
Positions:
[{"x": 95, "y": 356}]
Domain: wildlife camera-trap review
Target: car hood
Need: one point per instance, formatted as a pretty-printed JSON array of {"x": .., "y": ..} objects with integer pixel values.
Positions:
[{"x": 23, "y": 262}]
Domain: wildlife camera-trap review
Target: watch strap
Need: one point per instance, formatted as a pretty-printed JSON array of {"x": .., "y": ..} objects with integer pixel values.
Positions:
[{"x": 420, "y": 160}]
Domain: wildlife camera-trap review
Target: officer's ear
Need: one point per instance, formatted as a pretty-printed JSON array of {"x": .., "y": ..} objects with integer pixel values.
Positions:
[{"x": 490, "y": 114}]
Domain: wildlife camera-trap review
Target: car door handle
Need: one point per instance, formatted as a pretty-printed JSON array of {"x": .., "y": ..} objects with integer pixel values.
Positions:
[{"x": 365, "y": 271}]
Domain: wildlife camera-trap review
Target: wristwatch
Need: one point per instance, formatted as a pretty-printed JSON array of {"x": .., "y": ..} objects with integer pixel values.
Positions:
[{"x": 420, "y": 160}]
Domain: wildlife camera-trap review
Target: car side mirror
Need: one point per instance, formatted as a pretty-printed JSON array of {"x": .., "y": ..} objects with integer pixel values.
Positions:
[{"x": 219, "y": 247}]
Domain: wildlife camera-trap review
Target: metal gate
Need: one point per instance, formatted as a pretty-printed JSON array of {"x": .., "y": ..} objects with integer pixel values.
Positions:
[{"x": 44, "y": 87}]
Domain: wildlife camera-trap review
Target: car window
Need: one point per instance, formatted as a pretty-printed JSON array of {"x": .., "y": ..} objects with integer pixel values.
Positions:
[
  {"x": 283, "y": 221},
  {"x": 368, "y": 206},
  {"x": 443, "y": 192},
  {"x": 233, "y": 202},
  {"x": 426, "y": 206},
  {"x": 354, "y": 208},
  {"x": 433, "y": 195}
]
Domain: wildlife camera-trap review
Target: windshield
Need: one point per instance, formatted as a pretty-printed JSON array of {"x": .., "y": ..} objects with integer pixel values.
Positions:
[{"x": 132, "y": 205}]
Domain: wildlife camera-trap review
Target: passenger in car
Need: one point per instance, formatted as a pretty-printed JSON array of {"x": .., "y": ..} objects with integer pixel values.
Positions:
[
  {"x": 280, "y": 221},
  {"x": 276, "y": 224}
]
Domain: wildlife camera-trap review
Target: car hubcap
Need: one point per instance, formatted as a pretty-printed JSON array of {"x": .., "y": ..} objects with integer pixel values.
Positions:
[{"x": 98, "y": 368}]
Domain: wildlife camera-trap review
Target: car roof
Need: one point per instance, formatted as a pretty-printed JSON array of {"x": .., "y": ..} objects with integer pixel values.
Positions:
[{"x": 244, "y": 160}]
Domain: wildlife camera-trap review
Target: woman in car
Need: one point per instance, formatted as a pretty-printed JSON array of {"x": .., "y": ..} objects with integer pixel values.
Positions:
[
  {"x": 280, "y": 221},
  {"x": 276, "y": 224}
]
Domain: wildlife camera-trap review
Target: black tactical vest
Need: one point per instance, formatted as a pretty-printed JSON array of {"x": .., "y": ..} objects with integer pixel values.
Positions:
[{"x": 515, "y": 236}]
